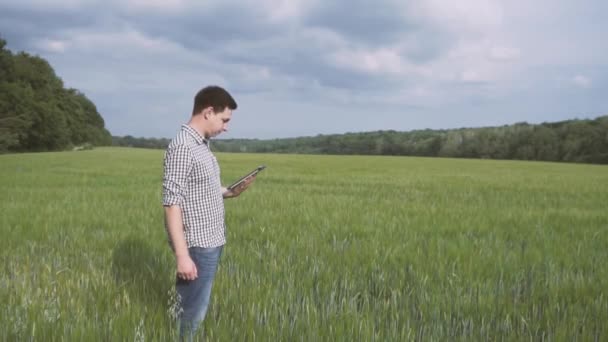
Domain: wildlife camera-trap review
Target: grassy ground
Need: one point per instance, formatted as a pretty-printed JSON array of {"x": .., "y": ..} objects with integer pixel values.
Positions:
[{"x": 321, "y": 248}]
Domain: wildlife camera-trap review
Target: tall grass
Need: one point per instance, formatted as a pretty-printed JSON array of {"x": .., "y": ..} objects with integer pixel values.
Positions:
[{"x": 321, "y": 248}]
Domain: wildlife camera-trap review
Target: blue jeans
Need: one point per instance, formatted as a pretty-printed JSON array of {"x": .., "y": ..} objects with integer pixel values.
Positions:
[{"x": 195, "y": 294}]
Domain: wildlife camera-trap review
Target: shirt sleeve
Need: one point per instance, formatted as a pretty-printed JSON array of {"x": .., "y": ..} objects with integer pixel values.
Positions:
[{"x": 178, "y": 165}]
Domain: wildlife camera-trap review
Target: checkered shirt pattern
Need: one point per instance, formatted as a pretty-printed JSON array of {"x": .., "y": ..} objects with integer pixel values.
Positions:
[{"x": 191, "y": 181}]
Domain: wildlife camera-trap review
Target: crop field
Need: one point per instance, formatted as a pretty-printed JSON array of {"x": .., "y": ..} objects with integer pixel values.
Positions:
[{"x": 321, "y": 248}]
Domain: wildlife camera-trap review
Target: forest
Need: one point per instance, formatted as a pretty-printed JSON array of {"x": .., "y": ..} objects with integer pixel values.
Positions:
[
  {"x": 38, "y": 113},
  {"x": 578, "y": 140}
]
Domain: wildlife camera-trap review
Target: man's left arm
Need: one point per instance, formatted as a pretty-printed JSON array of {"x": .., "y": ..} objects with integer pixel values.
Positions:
[{"x": 235, "y": 192}]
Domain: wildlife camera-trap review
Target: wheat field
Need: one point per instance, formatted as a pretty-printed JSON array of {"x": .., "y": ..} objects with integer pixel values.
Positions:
[{"x": 321, "y": 248}]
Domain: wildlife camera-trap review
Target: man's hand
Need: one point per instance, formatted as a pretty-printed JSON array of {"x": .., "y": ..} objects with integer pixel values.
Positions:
[
  {"x": 235, "y": 192},
  {"x": 186, "y": 269}
]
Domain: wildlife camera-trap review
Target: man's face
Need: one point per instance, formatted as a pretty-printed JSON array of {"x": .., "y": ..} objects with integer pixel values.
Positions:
[{"x": 218, "y": 122}]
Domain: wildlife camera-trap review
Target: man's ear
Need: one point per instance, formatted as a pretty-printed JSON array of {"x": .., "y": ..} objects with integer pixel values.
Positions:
[{"x": 207, "y": 112}]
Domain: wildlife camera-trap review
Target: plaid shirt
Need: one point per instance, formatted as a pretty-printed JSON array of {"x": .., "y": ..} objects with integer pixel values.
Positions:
[{"x": 191, "y": 181}]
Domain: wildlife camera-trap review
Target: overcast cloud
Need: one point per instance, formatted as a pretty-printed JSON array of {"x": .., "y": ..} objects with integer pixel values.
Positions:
[{"x": 316, "y": 67}]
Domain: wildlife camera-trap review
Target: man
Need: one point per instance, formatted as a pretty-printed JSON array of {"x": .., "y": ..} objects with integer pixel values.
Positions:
[{"x": 193, "y": 200}]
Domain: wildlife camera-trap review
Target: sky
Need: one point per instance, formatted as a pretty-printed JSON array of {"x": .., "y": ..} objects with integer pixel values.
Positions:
[{"x": 308, "y": 67}]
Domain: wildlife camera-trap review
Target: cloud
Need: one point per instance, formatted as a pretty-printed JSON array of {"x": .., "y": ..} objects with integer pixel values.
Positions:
[
  {"x": 502, "y": 53},
  {"x": 154, "y": 5},
  {"x": 331, "y": 61},
  {"x": 581, "y": 81},
  {"x": 51, "y": 45}
]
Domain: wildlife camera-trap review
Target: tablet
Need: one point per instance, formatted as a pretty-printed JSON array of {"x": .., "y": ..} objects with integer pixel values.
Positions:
[{"x": 242, "y": 179}]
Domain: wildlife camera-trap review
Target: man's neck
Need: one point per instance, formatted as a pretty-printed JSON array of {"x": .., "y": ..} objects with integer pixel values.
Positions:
[{"x": 198, "y": 126}]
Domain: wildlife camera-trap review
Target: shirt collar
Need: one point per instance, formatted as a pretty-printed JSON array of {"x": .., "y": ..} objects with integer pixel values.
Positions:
[{"x": 195, "y": 134}]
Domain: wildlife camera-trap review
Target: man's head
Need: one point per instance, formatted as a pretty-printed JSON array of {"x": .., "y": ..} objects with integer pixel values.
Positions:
[{"x": 212, "y": 110}]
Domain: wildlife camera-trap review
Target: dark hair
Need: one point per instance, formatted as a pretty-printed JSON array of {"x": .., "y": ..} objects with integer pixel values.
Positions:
[{"x": 213, "y": 96}]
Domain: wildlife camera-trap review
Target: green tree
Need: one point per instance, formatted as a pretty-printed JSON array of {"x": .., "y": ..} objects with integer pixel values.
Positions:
[{"x": 37, "y": 113}]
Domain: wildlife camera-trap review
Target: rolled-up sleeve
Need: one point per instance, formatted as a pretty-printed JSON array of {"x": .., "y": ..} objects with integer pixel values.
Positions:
[{"x": 178, "y": 165}]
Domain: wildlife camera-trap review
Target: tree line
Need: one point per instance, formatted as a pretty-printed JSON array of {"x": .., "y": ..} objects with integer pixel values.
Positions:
[
  {"x": 583, "y": 141},
  {"x": 566, "y": 141},
  {"x": 37, "y": 113},
  {"x": 131, "y": 141}
]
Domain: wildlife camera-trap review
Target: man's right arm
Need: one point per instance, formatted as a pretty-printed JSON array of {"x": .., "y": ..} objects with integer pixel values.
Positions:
[
  {"x": 186, "y": 269},
  {"x": 177, "y": 168}
]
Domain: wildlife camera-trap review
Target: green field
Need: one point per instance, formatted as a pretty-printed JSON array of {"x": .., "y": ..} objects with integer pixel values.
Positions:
[{"x": 322, "y": 248}]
